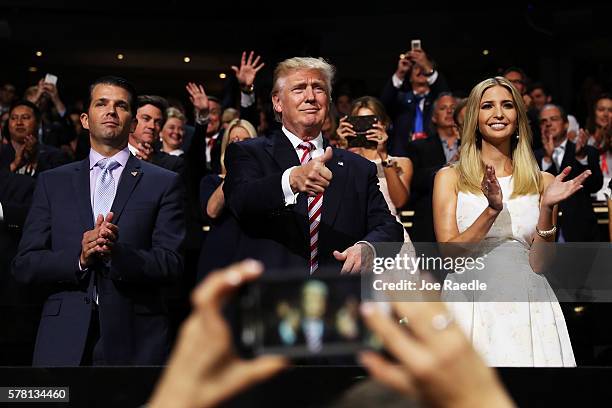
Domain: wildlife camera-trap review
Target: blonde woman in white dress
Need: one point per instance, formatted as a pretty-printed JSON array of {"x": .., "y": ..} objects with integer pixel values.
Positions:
[{"x": 496, "y": 195}]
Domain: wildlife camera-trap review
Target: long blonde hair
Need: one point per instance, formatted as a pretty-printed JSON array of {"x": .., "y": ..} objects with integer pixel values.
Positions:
[
  {"x": 526, "y": 175},
  {"x": 246, "y": 125}
]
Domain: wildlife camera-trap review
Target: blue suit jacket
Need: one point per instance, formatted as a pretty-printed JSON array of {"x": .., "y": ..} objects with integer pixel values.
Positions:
[
  {"x": 354, "y": 209},
  {"x": 148, "y": 209}
]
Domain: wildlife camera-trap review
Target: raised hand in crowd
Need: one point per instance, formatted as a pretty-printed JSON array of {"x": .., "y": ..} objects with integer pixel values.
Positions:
[
  {"x": 203, "y": 369},
  {"x": 198, "y": 98},
  {"x": 420, "y": 59},
  {"x": 51, "y": 90},
  {"x": 246, "y": 73},
  {"x": 38, "y": 93},
  {"x": 313, "y": 177},
  {"x": 404, "y": 65},
  {"x": 437, "y": 364}
]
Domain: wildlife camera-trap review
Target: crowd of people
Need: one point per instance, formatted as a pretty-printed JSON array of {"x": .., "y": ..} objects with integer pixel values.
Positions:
[{"x": 111, "y": 212}]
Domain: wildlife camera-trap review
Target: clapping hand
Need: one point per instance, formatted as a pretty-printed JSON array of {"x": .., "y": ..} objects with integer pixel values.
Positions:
[
  {"x": 559, "y": 190},
  {"x": 491, "y": 189}
]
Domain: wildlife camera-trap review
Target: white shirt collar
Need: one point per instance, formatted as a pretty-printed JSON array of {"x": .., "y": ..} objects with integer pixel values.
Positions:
[
  {"x": 295, "y": 141},
  {"x": 133, "y": 150},
  {"x": 120, "y": 157}
]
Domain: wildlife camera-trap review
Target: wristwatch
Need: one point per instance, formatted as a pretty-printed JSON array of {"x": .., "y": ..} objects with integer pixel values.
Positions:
[
  {"x": 388, "y": 162},
  {"x": 248, "y": 89}
]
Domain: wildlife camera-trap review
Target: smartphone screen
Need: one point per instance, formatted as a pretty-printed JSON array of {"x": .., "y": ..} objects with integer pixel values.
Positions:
[
  {"x": 415, "y": 45},
  {"x": 51, "y": 79},
  {"x": 302, "y": 318}
]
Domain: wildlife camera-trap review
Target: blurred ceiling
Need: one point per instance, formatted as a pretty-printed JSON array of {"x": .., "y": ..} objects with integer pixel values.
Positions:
[{"x": 81, "y": 40}]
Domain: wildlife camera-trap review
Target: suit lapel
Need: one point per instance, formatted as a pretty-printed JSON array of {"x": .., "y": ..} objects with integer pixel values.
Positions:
[
  {"x": 283, "y": 153},
  {"x": 333, "y": 193},
  {"x": 80, "y": 181},
  {"x": 439, "y": 149},
  {"x": 130, "y": 176},
  {"x": 281, "y": 150}
]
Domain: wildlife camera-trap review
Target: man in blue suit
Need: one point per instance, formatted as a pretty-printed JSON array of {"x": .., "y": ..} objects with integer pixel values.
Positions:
[
  {"x": 104, "y": 235},
  {"x": 300, "y": 203}
]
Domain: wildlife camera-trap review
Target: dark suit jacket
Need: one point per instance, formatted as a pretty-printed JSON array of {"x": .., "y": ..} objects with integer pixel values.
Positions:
[
  {"x": 578, "y": 222},
  {"x": 427, "y": 156},
  {"x": 353, "y": 206},
  {"x": 15, "y": 196},
  {"x": 401, "y": 106},
  {"x": 148, "y": 210},
  {"x": 168, "y": 162}
]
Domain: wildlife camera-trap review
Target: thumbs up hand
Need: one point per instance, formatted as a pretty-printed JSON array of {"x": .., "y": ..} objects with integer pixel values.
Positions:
[{"x": 312, "y": 177}]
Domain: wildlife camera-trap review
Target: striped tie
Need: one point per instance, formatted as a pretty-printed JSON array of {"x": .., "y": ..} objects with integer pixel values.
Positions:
[
  {"x": 104, "y": 194},
  {"x": 314, "y": 213}
]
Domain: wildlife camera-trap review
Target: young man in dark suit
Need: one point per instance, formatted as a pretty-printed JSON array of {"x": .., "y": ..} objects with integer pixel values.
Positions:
[
  {"x": 105, "y": 234},
  {"x": 300, "y": 204}
]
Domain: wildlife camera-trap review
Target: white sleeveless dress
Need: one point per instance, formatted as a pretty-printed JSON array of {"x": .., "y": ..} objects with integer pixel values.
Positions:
[
  {"x": 384, "y": 189},
  {"x": 506, "y": 334}
]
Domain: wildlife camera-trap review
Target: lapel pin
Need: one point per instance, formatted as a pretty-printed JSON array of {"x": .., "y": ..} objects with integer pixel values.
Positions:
[
  {"x": 340, "y": 163},
  {"x": 134, "y": 173}
]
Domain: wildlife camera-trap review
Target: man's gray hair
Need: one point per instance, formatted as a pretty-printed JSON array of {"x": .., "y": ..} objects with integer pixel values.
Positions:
[
  {"x": 298, "y": 63},
  {"x": 284, "y": 68}
]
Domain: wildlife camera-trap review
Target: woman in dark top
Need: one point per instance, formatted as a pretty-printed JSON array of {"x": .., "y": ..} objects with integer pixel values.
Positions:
[{"x": 217, "y": 249}]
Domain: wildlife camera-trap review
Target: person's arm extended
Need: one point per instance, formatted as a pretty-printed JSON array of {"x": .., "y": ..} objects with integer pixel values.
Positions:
[
  {"x": 398, "y": 179},
  {"x": 445, "y": 207},
  {"x": 216, "y": 203}
]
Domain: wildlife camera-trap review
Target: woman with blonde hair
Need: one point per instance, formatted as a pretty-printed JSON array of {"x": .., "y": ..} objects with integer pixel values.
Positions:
[
  {"x": 496, "y": 197},
  {"x": 217, "y": 249}
]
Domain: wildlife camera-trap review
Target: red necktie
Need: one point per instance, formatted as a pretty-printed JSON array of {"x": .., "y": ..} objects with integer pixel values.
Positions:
[{"x": 314, "y": 212}]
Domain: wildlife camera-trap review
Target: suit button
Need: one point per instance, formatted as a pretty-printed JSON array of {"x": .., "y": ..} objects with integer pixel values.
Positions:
[{"x": 86, "y": 299}]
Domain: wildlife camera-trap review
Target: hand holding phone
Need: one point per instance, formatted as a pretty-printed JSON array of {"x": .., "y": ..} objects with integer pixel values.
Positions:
[{"x": 51, "y": 79}]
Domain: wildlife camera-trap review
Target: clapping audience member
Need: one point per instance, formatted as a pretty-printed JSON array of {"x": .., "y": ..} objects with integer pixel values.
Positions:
[
  {"x": 578, "y": 223},
  {"x": 598, "y": 121},
  {"x": 408, "y": 96},
  {"x": 218, "y": 248},
  {"x": 151, "y": 117},
  {"x": 394, "y": 173},
  {"x": 173, "y": 131},
  {"x": 23, "y": 153}
]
